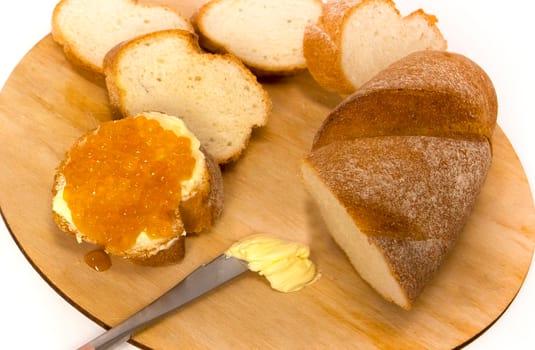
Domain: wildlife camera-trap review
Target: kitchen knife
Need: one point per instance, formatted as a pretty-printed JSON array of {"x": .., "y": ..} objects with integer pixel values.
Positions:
[{"x": 202, "y": 280}]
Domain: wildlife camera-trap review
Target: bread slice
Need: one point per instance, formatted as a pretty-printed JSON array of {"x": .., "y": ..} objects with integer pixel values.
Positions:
[
  {"x": 396, "y": 204},
  {"x": 266, "y": 35},
  {"x": 136, "y": 187},
  {"x": 354, "y": 40},
  {"x": 218, "y": 98},
  {"x": 88, "y": 29},
  {"x": 397, "y": 166}
]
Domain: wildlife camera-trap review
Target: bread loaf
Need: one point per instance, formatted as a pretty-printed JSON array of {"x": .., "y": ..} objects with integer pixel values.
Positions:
[
  {"x": 88, "y": 29},
  {"x": 353, "y": 40},
  {"x": 396, "y": 168},
  {"x": 266, "y": 35},
  {"x": 136, "y": 187},
  {"x": 217, "y": 97}
]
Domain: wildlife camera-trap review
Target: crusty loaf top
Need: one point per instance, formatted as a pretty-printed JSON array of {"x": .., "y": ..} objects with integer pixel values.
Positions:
[{"x": 432, "y": 93}]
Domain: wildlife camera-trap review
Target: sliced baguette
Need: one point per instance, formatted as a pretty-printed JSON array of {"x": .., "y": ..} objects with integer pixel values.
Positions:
[
  {"x": 199, "y": 201},
  {"x": 88, "y": 29},
  {"x": 354, "y": 40},
  {"x": 218, "y": 98},
  {"x": 266, "y": 35}
]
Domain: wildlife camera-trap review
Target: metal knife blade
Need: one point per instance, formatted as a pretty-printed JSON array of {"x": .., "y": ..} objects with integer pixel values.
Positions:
[{"x": 202, "y": 280}]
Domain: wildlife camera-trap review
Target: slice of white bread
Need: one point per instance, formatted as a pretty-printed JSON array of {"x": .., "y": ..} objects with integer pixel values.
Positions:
[
  {"x": 266, "y": 35},
  {"x": 88, "y": 29},
  {"x": 132, "y": 180},
  {"x": 218, "y": 98},
  {"x": 396, "y": 168},
  {"x": 353, "y": 40}
]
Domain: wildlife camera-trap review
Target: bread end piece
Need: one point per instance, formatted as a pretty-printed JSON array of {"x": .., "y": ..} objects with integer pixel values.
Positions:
[
  {"x": 396, "y": 204},
  {"x": 354, "y": 40}
]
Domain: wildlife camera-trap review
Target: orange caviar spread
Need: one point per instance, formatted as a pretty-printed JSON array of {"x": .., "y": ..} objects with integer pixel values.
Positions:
[{"x": 125, "y": 179}]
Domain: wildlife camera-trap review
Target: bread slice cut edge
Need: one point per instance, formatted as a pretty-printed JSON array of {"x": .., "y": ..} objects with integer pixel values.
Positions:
[
  {"x": 365, "y": 256},
  {"x": 86, "y": 34},
  {"x": 218, "y": 98}
]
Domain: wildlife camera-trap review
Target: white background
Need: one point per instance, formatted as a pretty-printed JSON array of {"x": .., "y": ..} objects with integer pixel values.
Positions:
[{"x": 498, "y": 35}]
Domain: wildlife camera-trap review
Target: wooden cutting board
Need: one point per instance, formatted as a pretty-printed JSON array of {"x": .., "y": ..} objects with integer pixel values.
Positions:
[{"x": 47, "y": 104}]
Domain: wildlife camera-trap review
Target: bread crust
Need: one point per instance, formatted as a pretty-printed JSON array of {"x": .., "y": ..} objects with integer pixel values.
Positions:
[
  {"x": 432, "y": 93},
  {"x": 322, "y": 45},
  {"x": 322, "y": 42},
  {"x": 200, "y": 212}
]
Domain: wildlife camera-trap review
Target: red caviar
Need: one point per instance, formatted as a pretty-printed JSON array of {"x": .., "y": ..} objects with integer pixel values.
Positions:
[{"x": 125, "y": 178}]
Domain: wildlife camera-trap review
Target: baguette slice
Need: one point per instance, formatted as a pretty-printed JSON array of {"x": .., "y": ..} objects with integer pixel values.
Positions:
[
  {"x": 266, "y": 35},
  {"x": 124, "y": 188},
  {"x": 354, "y": 40},
  {"x": 218, "y": 98},
  {"x": 88, "y": 29},
  {"x": 396, "y": 204}
]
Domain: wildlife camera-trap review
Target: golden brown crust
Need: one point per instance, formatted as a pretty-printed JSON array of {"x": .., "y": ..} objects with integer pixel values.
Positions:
[
  {"x": 432, "y": 93},
  {"x": 172, "y": 255},
  {"x": 321, "y": 46},
  {"x": 118, "y": 110},
  {"x": 201, "y": 211}
]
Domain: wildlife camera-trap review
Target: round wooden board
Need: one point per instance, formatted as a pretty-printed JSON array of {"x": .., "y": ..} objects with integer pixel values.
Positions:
[{"x": 47, "y": 104}]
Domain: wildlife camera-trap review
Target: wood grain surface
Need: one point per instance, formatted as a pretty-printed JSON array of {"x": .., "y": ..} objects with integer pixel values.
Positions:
[{"x": 47, "y": 104}]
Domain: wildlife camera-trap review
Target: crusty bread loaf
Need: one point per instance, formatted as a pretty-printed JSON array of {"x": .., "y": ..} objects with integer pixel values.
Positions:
[
  {"x": 88, "y": 29},
  {"x": 218, "y": 98},
  {"x": 395, "y": 176},
  {"x": 354, "y": 40},
  {"x": 131, "y": 180},
  {"x": 266, "y": 35}
]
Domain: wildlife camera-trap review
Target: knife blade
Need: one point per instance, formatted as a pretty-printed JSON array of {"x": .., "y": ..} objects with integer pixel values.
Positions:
[{"x": 204, "y": 279}]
